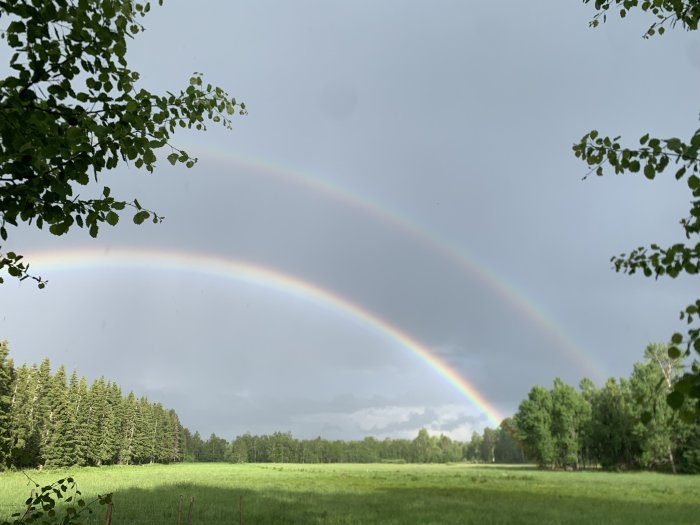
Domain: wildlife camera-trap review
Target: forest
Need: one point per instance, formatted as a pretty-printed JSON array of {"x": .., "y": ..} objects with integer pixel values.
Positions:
[{"x": 52, "y": 419}]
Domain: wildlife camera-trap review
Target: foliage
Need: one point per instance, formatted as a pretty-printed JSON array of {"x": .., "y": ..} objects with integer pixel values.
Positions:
[
  {"x": 653, "y": 157},
  {"x": 54, "y": 422},
  {"x": 667, "y": 12},
  {"x": 534, "y": 423},
  {"x": 625, "y": 424},
  {"x": 508, "y": 448},
  {"x": 42, "y": 506},
  {"x": 71, "y": 109},
  {"x": 7, "y": 381},
  {"x": 612, "y": 440}
]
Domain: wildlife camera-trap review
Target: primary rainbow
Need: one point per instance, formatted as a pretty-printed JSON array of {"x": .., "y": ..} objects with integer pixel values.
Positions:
[
  {"x": 258, "y": 275},
  {"x": 459, "y": 257}
]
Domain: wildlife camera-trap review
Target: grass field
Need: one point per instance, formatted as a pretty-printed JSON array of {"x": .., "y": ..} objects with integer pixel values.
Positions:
[{"x": 361, "y": 494}]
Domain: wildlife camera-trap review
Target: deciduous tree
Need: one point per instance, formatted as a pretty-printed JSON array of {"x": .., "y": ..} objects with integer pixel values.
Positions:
[
  {"x": 652, "y": 157},
  {"x": 71, "y": 109}
]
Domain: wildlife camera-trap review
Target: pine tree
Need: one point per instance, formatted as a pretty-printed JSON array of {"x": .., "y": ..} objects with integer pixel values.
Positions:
[
  {"x": 175, "y": 431},
  {"x": 26, "y": 437},
  {"x": 71, "y": 437},
  {"x": 7, "y": 379},
  {"x": 59, "y": 446},
  {"x": 143, "y": 437},
  {"x": 111, "y": 426},
  {"x": 41, "y": 412},
  {"x": 128, "y": 425}
]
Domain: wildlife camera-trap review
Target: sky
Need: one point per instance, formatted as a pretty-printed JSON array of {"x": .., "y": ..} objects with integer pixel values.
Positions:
[{"x": 403, "y": 191}]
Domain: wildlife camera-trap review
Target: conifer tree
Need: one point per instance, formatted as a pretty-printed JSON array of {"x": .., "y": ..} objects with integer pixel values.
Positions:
[
  {"x": 128, "y": 411},
  {"x": 6, "y": 390},
  {"x": 42, "y": 406},
  {"x": 26, "y": 437},
  {"x": 111, "y": 425},
  {"x": 71, "y": 438},
  {"x": 59, "y": 446},
  {"x": 175, "y": 431}
]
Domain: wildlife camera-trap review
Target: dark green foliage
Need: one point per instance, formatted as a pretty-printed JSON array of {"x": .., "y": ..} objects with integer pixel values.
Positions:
[
  {"x": 44, "y": 505},
  {"x": 667, "y": 12},
  {"x": 488, "y": 446},
  {"x": 534, "y": 423},
  {"x": 55, "y": 422},
  {"x": 508, "y": 448},
  {"x": 472, "y": 450},
  {"x": 60, "y": 443},
  {"x": 424, "y": 448},
  {"x": 624, "y": 425},
  {"x": 570, "y": 416},
  {"x": 71, "y": 109},
  {"x": 653, "y": 157},
  {"x": 7, "y": 388},
  {"x": 612, "y": 439}
]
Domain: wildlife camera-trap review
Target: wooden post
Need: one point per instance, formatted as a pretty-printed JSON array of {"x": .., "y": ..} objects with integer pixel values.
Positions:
[
  {"x": 240, "y": 507},
  {"x": 179, "y": 510},
  {"x": 189, "y": 512},
  {"x": 108, "y": 521}
]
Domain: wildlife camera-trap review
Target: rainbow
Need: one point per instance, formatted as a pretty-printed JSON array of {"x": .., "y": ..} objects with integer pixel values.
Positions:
[
  {"x": 257, "y": 275},
  {"x": 508, "y": 292}
]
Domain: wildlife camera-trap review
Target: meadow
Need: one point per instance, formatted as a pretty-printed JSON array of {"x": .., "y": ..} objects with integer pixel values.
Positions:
[{"x": 377, "y": 493}]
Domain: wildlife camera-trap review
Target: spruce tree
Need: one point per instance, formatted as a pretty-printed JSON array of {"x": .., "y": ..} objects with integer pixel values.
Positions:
[
  {"x": 42, "y": 415},
  {"x": 6, "y": 390},
  {"x": 26, "y": 438},
  {"x": 128, "y": 409},
  {"x": 59, "y": 445}
]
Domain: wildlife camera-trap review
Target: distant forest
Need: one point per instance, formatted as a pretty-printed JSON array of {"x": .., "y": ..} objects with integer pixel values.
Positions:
[{"x": 54, "y": 420}]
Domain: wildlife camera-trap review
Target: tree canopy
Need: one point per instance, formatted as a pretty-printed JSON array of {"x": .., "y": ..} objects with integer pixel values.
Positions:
[
  {"x": 653, "y": 157},
  {"x": 71, "y": 108}
]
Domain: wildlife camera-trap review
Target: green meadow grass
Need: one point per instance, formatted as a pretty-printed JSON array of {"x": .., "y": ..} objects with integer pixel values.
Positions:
[{"x": 361, "y": 494}]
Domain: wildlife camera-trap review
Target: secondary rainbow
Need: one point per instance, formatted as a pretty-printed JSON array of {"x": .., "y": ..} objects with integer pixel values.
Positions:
[
  {"x": 509, "y": 292},
  {"x": 255, "y": 274}
]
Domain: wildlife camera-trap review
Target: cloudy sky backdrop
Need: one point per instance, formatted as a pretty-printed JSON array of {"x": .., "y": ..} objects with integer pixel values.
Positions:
[{"x": 411, "y": 157}]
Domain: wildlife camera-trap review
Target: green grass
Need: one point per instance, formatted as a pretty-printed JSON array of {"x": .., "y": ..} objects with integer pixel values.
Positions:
[{"x": 362, "y": 494}]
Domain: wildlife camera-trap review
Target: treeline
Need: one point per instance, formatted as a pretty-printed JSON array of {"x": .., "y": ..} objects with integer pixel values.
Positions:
[
  {"x": 626, "y": 424},
  {"x": 494, "y": 445},
  {"x": 51, "y": 420}
]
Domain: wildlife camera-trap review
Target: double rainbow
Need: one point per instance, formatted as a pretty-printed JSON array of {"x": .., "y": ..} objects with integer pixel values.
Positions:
[{"x": 257, "y": 275}]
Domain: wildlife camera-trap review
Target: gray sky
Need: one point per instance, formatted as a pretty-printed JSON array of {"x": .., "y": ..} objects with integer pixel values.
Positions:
[{"x": 413, "y": 158}]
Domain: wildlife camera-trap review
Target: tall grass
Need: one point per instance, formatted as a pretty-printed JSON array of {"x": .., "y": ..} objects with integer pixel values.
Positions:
[{"x": 361, "y": 494}]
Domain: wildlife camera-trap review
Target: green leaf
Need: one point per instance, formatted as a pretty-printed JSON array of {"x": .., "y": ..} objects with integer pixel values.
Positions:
[
  {"x": 674, "y": 352},
  {"x": 112, "y": 218},
  {"x": 649, "y": 171},
  {"x": 676, "y": 338},
  {"x": 59, "y": 228},
  {"x": 675, "y": 400},
  {"x": 693, "y": 182},
  {"x": 141, "y": 216}
]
